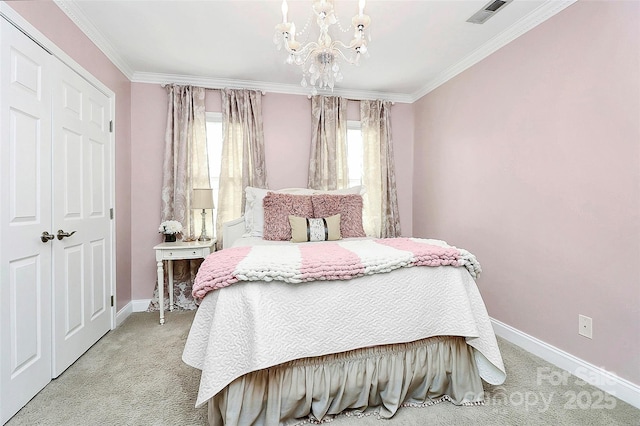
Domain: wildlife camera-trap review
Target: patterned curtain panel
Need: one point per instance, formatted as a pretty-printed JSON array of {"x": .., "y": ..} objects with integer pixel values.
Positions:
[
  {"x": 242, "y": 152},
  {"x": 185, "y": 167},
  {"x": 328, "y": 162},
  {"x": 380, "y": 200},
  {"x": 185, "y": 154}
]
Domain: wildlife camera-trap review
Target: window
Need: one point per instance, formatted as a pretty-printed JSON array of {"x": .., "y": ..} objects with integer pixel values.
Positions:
[
  {"x": 214, "y": 153},
  {"x": 354, "y": 153}
]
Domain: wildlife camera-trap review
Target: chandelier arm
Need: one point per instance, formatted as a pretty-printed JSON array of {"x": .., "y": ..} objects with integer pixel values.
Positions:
[
  {"x": 342, "y": 55},
  {"x": 335, "y": 47},
  {"x": 312, "y": 45},
  {"x": 304, "y": 59},
  {"x": 304, "y": 53},
  {"x": 350, "y": 46}
]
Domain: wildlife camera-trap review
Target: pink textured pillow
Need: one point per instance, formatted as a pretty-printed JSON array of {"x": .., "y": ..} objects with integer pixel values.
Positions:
[
  {"x": 349, "y": 206},
  {"x": 277, "y": 209}
]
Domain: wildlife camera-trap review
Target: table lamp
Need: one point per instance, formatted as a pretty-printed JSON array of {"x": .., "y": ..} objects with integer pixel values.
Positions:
[{"x": 202, "y": 199}]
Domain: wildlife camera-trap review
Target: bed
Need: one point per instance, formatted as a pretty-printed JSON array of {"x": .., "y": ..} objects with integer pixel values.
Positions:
[{"x": 292, "y": 333}]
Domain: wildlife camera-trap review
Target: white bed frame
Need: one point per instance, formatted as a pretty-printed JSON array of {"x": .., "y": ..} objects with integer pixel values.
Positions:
[{"x": 231, "y": 231}]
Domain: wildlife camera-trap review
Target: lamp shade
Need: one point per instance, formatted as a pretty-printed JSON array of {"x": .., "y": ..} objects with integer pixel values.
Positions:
[{"x": 202, "y": 199}]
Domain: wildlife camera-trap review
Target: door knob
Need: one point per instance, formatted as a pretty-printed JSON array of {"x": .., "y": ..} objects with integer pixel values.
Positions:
[
  {"x": 62, "y": 234},
  {"x": 46, "y": 237}
]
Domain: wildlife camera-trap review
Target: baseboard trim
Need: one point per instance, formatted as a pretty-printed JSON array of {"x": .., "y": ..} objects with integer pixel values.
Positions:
[
  {"x": 140, "y": 305},
  {"x": 123, "y": 314},
  {"x": 596, "y": 376}
]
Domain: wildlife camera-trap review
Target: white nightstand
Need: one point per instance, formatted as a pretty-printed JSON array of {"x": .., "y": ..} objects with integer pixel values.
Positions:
[{"x": 177, "y": 251}]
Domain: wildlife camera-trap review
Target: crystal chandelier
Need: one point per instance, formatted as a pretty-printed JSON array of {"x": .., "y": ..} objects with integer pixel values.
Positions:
[{"x": 319, "y": 59}]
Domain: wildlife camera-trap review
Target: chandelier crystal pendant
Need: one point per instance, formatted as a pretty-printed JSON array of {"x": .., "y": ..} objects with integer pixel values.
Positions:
[{"x": 319, "y": 59}]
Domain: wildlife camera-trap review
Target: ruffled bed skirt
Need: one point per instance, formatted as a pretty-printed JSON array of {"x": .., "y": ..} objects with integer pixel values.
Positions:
[{"x": 376, "y": 380}]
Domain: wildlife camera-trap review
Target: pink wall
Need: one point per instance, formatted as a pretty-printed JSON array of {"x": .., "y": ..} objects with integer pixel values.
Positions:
[
  {"x": 287, "y": 146},
  {"x": 287, "y": 133},
  {"x": 402, "y": 128},
  {"x": 149, "y": 113},
  {"x": 57, "y": 27},
  {"x": 531, "y": 160}
]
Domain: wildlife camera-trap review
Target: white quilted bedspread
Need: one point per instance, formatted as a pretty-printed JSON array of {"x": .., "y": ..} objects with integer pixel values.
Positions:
[{"x": 254, "y": 325}]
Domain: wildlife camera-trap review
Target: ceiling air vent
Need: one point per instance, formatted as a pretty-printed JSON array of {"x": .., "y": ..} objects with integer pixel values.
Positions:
[{"x": 490, "y": 9}]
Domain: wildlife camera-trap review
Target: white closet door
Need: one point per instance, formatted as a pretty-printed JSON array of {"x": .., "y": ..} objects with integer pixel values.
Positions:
[
  {"x": 81, "y": 194},
  {"x": 25, "y": 212}
]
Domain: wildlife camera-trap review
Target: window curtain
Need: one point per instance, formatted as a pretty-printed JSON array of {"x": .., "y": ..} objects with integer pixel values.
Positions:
[
  {"x": 242, "y": 153},
  {"x": 185, "y": 167},
  {"x": 328, "y": 162},
  {"x": 381, "y": 218}
]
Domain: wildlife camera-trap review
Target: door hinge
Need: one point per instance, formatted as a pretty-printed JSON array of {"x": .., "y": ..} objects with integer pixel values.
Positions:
[
  {"x": 111, "y": 301},
  {"x": 111, "y": 213},
  {"x": 110, "y": 126}
]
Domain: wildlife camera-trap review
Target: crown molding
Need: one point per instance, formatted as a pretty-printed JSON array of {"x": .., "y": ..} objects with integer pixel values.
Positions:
[
  {"x": 533, "y": 19},
  {"x": 71, "y": 9},
  {"x": 289, "y": 89}
]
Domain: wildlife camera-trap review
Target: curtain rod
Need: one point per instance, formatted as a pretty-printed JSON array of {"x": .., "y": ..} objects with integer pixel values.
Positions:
[
  {"x": 217, "y": 88},
  {"x": 355, "y": 100},
  {"x": 164, "y": 85}
]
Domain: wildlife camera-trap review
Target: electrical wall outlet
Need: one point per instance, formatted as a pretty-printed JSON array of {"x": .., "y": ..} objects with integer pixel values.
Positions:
[{"x": 585, "y": 326}]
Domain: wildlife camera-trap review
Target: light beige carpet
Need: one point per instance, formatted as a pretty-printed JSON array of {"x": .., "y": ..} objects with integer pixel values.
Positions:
[{"x": 135, "y": 376}]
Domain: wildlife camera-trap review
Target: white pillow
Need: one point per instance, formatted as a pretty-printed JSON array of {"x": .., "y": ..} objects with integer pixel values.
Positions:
[
  {"x": 296, "y": 191},
  {"x": 254, "y": 212},
  {"x": 358, "y": 190}
]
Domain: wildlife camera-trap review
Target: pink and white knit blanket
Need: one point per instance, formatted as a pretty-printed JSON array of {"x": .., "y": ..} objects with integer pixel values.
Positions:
[{"x": 339, "y": 260}]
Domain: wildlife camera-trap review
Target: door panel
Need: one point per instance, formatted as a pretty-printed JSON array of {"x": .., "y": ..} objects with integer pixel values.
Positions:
[
  {"x": 97, "y": 180},
  {"x": 25, "y": 212},
  {"x": 26, "y": 319},
  {"x": 70, "y": 160},
  {"x": 24, "y": 156},
  {"x": 98, "y": 290},
  {"x": 73, "y": 281},
  {"x": 81, "y": 191}
]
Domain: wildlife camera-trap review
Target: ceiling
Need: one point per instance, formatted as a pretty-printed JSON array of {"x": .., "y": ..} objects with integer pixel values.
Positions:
[{"x": 415, "y": 45}]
